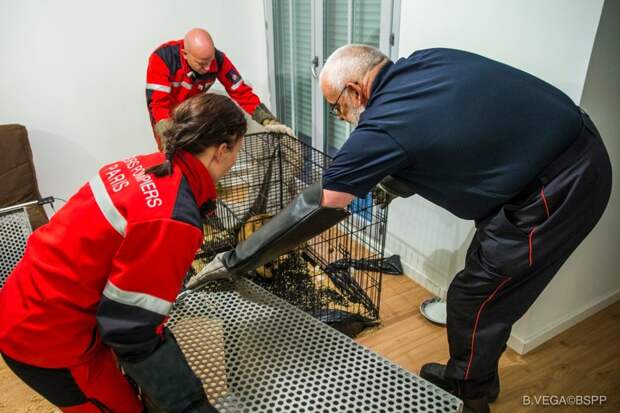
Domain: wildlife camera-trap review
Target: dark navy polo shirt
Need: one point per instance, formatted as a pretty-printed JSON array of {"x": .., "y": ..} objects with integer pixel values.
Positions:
[{"x": 468, "y": 133}]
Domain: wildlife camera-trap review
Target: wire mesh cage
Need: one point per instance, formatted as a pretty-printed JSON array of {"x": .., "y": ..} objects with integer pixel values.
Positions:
[{"x": 335, "y": 276}]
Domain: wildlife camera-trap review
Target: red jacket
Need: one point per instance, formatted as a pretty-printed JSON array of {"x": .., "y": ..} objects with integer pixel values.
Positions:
[
  {"x": 170, "y": 80},
  {"x": 108, "y": 265}
]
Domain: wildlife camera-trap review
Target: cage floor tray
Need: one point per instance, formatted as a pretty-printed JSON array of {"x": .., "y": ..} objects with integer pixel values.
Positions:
[{"x": 256, "y": 353}]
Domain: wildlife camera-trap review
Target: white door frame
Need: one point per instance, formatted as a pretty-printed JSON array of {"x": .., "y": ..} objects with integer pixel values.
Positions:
[
  {"x": 271, "y": 55},
  {"x": 390, "y": 28},
  {"x": 317, "y": 97}
]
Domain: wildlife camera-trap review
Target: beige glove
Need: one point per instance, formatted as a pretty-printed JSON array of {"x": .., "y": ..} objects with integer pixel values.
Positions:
[
  {"x": 273, "y": 126},
  {"x": 264, "y": 116},
  {"x": 214, "y": 270}
]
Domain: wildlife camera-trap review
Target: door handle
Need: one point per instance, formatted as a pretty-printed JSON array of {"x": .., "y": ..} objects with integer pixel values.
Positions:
[{"x": 315, "y": 64}]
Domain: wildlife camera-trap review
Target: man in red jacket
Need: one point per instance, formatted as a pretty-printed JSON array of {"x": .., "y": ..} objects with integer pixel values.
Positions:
[
  {"x": 97, "y": 282},
  {"x": 180, "y": 69}
]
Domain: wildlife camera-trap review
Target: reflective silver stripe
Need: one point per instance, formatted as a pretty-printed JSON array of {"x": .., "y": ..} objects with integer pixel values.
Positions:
[
  {"x": 106, "y": 205},
  {"x": 236, "y": 85},
  {"x": 142, "y": 300},
  {"x": 160, "y": 88},
  {"x": 184, "y": 84}
]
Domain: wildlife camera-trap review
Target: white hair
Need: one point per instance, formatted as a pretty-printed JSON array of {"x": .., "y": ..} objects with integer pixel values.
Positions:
[{"x": 350, "y": 63}]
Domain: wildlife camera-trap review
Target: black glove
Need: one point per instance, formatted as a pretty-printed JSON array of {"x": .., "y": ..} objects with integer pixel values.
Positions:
[
  {"x": 201, "y": 407},
  {"x": 302, "y": 220},
  {"x": 394, "y": 187},
  {"x": 167, "y": 382}
]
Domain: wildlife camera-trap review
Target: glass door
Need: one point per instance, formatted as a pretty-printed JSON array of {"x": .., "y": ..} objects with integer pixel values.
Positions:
[
  {"x": 292, "y": 44},
  {"x": 301, "y": 35}
]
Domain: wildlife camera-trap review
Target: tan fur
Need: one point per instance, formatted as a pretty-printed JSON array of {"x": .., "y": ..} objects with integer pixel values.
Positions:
[{"x": 251, "y": 226}]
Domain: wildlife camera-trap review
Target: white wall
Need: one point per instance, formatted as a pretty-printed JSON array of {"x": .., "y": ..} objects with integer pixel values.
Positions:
[
  {"x": 589, "y": 280},
  {"x": 73, "y": 72},
  {"x": 551, "y": 39}
]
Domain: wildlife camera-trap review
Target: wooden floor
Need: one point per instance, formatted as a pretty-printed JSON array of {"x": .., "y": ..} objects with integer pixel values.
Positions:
[{"x": 584, "y": 360}]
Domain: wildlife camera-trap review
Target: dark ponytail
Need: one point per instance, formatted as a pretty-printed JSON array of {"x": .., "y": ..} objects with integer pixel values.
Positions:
[{"x": 198, "y": 123}]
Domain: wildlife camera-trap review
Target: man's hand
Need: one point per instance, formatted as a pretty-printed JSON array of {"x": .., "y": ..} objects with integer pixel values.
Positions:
[
  {"x": 214, "y": 270},
  {"x": 274, "y": 126}
]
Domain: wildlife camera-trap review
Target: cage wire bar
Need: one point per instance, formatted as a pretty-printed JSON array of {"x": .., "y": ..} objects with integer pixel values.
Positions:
[{"x": 333, "y": 276}]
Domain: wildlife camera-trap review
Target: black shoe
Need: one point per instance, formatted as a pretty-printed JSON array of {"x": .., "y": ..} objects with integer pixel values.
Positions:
[
  {"x": 435, "y": 373},
  {"x": 476, "y": 406}
]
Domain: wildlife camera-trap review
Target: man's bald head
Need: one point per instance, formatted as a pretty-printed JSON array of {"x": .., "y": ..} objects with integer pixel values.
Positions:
[{"x": 199, "y": 49}]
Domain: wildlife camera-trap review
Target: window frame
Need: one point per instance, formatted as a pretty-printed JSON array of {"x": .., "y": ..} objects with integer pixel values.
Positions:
[{"x": 388, "y": 43}]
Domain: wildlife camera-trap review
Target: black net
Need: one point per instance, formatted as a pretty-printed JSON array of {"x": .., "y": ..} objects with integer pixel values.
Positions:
[{"x": 329, "y": 276}]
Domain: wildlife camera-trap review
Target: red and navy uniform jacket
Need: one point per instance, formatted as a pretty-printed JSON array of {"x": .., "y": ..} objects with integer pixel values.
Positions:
[
  {"x": 170, "y": 80},
  {"x": 108, "y": 265}
]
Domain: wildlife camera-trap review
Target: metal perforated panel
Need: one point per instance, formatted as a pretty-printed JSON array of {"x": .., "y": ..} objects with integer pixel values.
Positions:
[
  {"x": 256, "y": 353},
  {"x": 14, "y": 231}
]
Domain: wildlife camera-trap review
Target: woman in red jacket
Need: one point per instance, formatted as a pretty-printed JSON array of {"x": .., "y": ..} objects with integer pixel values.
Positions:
[{"x": 97, "y": 282}]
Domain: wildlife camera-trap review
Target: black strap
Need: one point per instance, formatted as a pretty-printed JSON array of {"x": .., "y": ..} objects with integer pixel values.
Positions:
[{"x": 219, "y": 59}]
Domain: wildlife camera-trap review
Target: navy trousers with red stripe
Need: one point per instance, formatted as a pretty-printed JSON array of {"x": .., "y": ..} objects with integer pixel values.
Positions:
[{"x": 517, "y": 251}]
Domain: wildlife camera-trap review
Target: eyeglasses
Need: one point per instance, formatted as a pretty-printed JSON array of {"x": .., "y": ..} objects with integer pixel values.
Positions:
[{"x": 334, "y": 108}]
